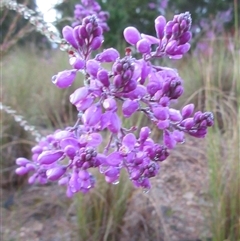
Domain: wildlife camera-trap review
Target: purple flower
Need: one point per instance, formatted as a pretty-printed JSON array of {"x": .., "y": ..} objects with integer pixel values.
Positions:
[
  {"x": 129, "y": 107},
  {"x": 108, "y": 55},
  {"x": 92, "y": 115},
  {"x": 49, "y": 157},
  {"x": 112, "y": 175},
  {"x": 114, "y": 123},
  {"x": 92, "y": 67},
  {"x": 69, "y": 36},
  {"x": 55, "y": 173},
  {"x": 103, "y": 77},
  {"x": 131, "y": 35},
  {"x": 110, "y": 104},
  {"x": 128, "y": 143},
  {"x": 114, "y": 159},
  {"x": 133, "y": 84},
  {"x": 79, "y": 95},
  {"x": 143, "y": 46},
  {"x": 160, "y": 23},
  {"x": 187, "y": 110},
  {"x": 64, "y": 79}
]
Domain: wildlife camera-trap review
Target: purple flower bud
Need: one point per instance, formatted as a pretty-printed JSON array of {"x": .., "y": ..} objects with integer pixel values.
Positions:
[
  {"x": 69, "y": 192},
  {"x": 108, "y": 55},
  {"x": 177, "y": 92},
  {"x": 101, "y": 160},
  {"x": 110, "y": 104},
  {"x": 35, "y": 157},
  {"x": 198, "y": 116},
  {"x": 114, "y": 159},
  {"x": 83, "y": 32},
  {"x": 64, "y": 79},
  {"x": 163, "y": 124},
  {"x": 55, "y": 173},
  {"x": 171, "y": 47},
  {"x": 131, "y": 35},
  {"x": 112, "y": 174},
  {"x": 164, "y": 101},
  {"x": 117, "y": 81},
  {"x": 129, "y": 141},
  {"x": 69, "y": 36},
  {"x": 89, "y": 28},
  {"x": 150, "y": 39},
  {"x": 209, "y": 118},
  {"x": 203, "y": 124},
  {"x": 185, "y": 38},
  {"x": 144, "y": 68},
  {"x": 97, "y": 32},
  {"x": 188, "y": 123},
  {"x": 135, "y": 174},
  {"x": 187, "y": 111},
  {"x": 96, "y": 43},
  {"x": 105, "y": 120},
  {"x": 74, "y": 183},
  {"x": 145, "y": 183},
  {"x": 69, "y": 141},
  {"x": 138, "y": 93},
  {"x": 21, "y": 171},
  {"x": 84, "y": 175},
  {"x": 92, "y": 115},
  {"x": 182, "y": 49},
  {"x": 49, "y": 157},
  {"x": 183, "y": 25},
  {"x": 130, "y": 86},
  {"x": 161, "y": 113},
  {"x": 63, "y": 181},
  {"x": 84, "y": 104},
  {"x": 178, "y": 136},
  {"x": 103, "y": 77},
  {"x": 114, "y": 123},
  {"x": 31, "y": 167},
  {"x": 77, "y": 63},
  {"x": 168, "y": 140},
  {"x": 21, "y": 161},
  {"x": 160, "y": 23},
  {"x": 153, "y": 87},
  {"x": 166, "y": 87},
  {"x": 59, "y": 135},
  {"x": 176, "y": 30},
  {"x": 92, "y": 67},
  {"x": 127, "y": 75},
  {"x": 77, "y": 36},
  {"x": 94, "y": 140},
  {"x": 175, "y": 115},
  {"x": 143, "y": 46},
  {"x": 129, "y": 107},
  {"x": 36, "y": 149},
  {"x": 201, "y": 133},
  {"x": 168, "y": 29},
  {"x": 78, "y": 95},
  {"x": 70, "y": 151},
  {"x": 144, "y": 133},
  {"x": 32, "y": 179}
]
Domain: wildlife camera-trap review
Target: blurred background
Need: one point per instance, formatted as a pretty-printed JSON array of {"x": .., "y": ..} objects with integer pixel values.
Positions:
[{"x": 197, "y": 193}]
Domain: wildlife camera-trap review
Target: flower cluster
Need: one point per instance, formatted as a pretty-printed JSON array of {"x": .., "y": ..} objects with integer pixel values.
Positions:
[
  {"x": 117, "y": 86},
  {"x": 88, "y": 8}
]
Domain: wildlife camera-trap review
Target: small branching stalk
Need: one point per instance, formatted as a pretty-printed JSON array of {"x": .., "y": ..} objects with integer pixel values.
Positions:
[{"x": 21, "y": 121}]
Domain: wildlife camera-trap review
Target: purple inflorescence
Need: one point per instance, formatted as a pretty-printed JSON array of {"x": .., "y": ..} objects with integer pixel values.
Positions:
[
  {"x": 127, "y": 86},
  {"x": 88, "y": 8}
]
